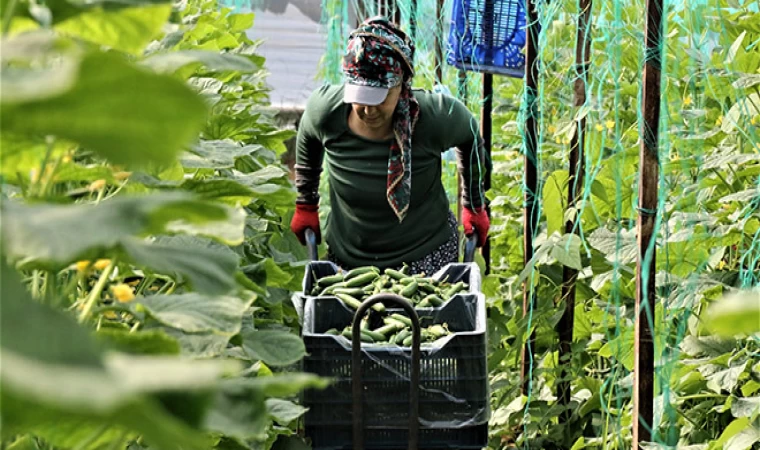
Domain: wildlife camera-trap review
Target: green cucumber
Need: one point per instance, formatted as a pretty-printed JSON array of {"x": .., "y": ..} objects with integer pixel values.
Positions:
[
  {"x": 329, "y": 280},
  {"x": 361, "y": 280}
]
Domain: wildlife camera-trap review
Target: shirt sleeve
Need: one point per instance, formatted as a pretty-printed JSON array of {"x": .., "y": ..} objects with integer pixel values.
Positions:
[
  {"x": 309, "y": 153},
  {"x": 463, "y": 133}
]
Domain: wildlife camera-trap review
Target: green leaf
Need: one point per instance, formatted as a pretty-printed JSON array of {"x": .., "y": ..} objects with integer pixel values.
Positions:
[
  {"x": 23, "y": 443},
  {"x": 621, "y": 247},
  {"x": 621, "y": 348},
  {"x": 195, "y": 313},
  {"x": 149, "y": 342},
  {"x": 211, "y": 61},
  {"x": 208, "y": 267},
  {"x": 53, "y": 236},
  {"x": 284, "y": 411},
  {"x": 725, "y": 380},
  {"x": 745, "y": 407},
  {"x": 275, "y": 348},
  {"x": 216, "y": 154},
  {"x": 125, "y": 114},
  {"x": 736, "y": 314},
  {"x": 125, "y": 29},
  {"x": 554, "y": 199},
  {"x": 740, "y": 437},
  {"x": 746, "y": 107},
  {"x": 239, "y": 412},
  {"x": 199, "y": 345},
  {"x": 567, "y": 251}
]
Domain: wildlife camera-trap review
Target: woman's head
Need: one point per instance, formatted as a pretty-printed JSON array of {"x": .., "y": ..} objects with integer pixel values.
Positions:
[{"x": 377, "y": 66}]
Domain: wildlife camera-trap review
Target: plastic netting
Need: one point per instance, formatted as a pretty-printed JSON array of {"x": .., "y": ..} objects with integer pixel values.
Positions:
[{"x": 708, "y": 216}]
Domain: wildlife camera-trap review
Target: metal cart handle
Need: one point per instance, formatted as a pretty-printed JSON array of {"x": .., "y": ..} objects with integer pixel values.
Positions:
[
  {"x": 469, "y": 247},
  {"x": 356, "y": 369},
  {"x": 311, "y": 244}
]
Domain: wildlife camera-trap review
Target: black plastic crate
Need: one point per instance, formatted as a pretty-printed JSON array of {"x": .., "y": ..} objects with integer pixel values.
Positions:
[{"x": 454, "y": 394}]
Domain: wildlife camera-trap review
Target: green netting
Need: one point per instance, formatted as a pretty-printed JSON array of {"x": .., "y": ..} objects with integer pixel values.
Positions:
[{"x": 708, "y": 228}]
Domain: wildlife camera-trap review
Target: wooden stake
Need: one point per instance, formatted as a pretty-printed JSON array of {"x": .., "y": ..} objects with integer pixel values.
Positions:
[
  {"x": 575, "y": 189},
  {"x": 643, "y": 377}
]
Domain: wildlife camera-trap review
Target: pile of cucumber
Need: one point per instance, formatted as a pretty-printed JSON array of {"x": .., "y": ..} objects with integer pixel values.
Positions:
[
  {"x": 358, "y": 284},
  {"x": 395, "y": 331}
]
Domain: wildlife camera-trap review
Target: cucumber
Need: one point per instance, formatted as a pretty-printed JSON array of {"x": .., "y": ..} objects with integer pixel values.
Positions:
[
  {"x": 353, "y": 292},
  {"x": 330, "y": 280},
  {"x": 375, "y": 335},
  {"x": 361, "y": 280},
  {"x": 389, "y": 328},
  {"x": 405, "y": 320},
  {"x": 332, "y": 331},
  {"x": 395, "y": 274},
  {"x": 433, "y": 300},
  {"x": 437, "y": 331},
  {"x": 348, "y": 300},
  {"x": 353, "y": 273},
  {"x": 403, "y": 334},
  {"x": 408, "y": 341},
  {"x": 410, "y": 290}
]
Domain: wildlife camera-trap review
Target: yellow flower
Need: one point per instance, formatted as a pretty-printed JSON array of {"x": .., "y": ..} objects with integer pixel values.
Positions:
[
  {"x": 721, "y": 265},
  {"x": 82, "y": 265},
  {"x": 755, "y": 120},
  {"x": 123, "y": 292},
  {"x": 121, "y": 176},
  {"x": 552, "y": 129},
  {"x": 110, "y": 315},
  {"x": 566, "y": 141},
  {"x": 557, "y": 140},
  {"x": 687, "y": 101},
  {"x": 610, "y": 124},
  {"x": 97, "y": 185},
  {"x": 719, "y": 121},
  {"x": 101, "y": 264},
  {"x": 675, "y": 158},
  {"x": 599, "y": 127}
]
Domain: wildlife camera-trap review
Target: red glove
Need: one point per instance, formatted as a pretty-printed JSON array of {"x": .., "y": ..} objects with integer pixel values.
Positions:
[
  {"x": 477, "y": 219},
  {"x": 306, "y": 216}
]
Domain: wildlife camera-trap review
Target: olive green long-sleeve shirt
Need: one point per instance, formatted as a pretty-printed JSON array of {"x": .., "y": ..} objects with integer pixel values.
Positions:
[{"x": 362, "y": 229}]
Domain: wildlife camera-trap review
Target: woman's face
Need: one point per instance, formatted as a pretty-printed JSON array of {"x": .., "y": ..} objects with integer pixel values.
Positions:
[{"x": 378, "y": 116}]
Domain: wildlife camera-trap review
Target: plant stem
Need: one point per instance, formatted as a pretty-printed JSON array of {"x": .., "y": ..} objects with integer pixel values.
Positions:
[
  {"x": 36, "y": 284},
  {"x": 8, "y": 17},
  {"x": 696, "y": 396},
  {"x": 95, "y": 293}
]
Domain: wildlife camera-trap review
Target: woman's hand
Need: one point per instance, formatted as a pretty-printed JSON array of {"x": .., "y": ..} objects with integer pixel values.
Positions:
[
  {"x": 476, "y": 220},
  {"x": 306, "y": 216}
]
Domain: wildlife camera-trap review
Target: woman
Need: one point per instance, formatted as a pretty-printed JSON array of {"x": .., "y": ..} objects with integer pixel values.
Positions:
[{"x": 383, "y": 143}]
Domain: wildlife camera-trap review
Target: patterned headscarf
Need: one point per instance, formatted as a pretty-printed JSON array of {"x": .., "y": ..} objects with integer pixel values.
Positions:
[{"x": 379, "y": 54}]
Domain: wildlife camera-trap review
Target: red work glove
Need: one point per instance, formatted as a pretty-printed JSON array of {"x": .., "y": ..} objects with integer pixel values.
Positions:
[
  {"x": 477, "y": 220},
  {"x": 306, "y": 216}
]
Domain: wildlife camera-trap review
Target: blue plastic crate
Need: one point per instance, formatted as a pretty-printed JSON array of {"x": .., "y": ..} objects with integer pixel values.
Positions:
[{"x": 488, "y": 36}]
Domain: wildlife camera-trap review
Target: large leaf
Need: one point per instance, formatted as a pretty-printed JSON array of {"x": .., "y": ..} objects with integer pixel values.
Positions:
[
  {"x": 125, "y": 29},
  {"x": 276, "y": 348},
  {"x": 239, "y": 411},
  {"x": 747, "y": 107},
  {"x": 735, "y": 314},
  {"x": 216, "y": 154},
  {"x": 207, "y": 266},
  {"x": 284, "y": 411},
  {"x": 621, "y": 247},
  {"x": 211, "y": 61},
  {"x": 195, "y": 313},
  {"x": 745, "y": 407},
  {"x": 53, "y": 236},
  {"x": 199, "y": 345},
  {"x": 124, "y": 113}
]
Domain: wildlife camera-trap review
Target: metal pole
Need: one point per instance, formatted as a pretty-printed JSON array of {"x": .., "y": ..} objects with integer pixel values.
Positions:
[
  {"x": 576, "y": 173},
  {"x": 439, "y": 42},
  {"x": 643, "y": 376},
  {"x": 530, "y": 212},
  {"x": 486, "y": 131}
]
